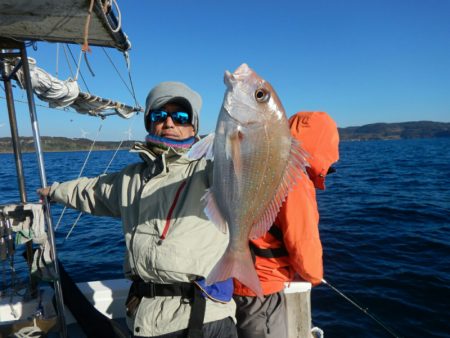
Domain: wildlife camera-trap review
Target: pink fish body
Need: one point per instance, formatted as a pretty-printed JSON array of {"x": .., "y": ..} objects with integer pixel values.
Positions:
[{"x": 256, "y": 161}]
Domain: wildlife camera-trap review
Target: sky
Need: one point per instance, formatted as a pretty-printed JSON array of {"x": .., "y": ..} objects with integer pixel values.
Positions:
[{"x": 361, "y": 62}]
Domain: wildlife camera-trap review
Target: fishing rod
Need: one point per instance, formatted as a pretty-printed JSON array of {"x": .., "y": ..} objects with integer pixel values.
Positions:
[{"x": 364, "y": 310}]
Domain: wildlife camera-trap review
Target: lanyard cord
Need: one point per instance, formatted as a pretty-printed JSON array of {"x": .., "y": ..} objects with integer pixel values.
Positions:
[{"x": 169, "y": 215}]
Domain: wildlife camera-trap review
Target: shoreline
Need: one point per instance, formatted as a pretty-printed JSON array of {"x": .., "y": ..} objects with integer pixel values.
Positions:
[{"x": 61, "y": 151}]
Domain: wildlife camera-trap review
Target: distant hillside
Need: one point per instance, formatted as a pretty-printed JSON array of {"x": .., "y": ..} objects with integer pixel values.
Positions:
[
  {"x": 395, "y": 131},
  {"x": 376, "y": 131},
  {"x": 61, "y": 144}
]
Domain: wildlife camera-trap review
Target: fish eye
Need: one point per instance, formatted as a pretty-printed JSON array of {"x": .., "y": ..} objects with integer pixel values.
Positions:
[{"x": 262, "y": 95}]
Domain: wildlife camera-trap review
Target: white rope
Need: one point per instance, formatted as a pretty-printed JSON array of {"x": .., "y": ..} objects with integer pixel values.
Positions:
[
  {"x": 29, "y": 332},
  {"x": 68, "y": 61},
  {"x": 75, "y": 62},
  {"x": 317, "y": 332},
  {"x": 119, "y": 18},
  {"x": 78, "y": 65}
]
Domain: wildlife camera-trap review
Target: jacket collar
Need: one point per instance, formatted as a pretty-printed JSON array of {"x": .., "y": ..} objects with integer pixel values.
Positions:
[{"x": 168, "y": 156}]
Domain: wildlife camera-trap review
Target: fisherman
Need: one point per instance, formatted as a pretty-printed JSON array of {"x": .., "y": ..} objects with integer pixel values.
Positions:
[
  {"x": 171, "y": 244},
  {"x": 292, "y": 245}
]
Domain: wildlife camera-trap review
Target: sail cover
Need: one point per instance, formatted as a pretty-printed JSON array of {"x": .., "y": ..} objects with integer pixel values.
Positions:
[
  {"x": 63, "y": 21},
  {"x": 66, "y": 93}
]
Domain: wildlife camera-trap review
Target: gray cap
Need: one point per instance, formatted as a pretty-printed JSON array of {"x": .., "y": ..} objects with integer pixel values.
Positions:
[{"x": 176, "y": 92}]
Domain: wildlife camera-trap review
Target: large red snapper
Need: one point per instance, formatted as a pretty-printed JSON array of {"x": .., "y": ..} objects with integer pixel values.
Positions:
[{"x": 256, "y": 161}]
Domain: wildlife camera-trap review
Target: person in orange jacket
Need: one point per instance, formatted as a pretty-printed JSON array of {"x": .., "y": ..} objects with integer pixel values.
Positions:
[{"x": 292, "y": 245}]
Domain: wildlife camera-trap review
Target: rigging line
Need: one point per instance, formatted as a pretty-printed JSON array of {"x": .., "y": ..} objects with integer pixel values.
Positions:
[
  {"x": 117, "y": 71},
  {"x": 365, "y": 310},
  {"x": 78, "y": 66},
  {"x": 104, "y": 171},
  {"x": 68, "y": 61},
  {"x": 73, "y": 225},
  {"x": 127, "y": 61},
  {"x": 88, "y": 64},
  {"x": 57, "y": 59},
  {"x": 81, "y": 74},
  {"x": 82, "y": 169},
  {"x": 36, "y": 104},
  {"x": 127, "y": 133}
]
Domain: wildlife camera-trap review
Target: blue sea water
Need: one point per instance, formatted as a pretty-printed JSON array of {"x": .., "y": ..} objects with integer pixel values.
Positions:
[{"x": 384, "y": 225}]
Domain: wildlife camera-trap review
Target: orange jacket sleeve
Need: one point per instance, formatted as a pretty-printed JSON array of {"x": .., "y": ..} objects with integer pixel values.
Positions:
[{"x": 298, "y": 220}]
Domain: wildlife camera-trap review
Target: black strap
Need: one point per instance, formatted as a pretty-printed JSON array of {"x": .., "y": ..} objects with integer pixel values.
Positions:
[
  {"x": 275, "y": 231},
  {"x": 185, "y": 290},
  {"x": 271, "y": 252},
  {"x": 268, "y": 253},
  {"x": 195, "y": 325},
  {"x": 151, "y": 290}
]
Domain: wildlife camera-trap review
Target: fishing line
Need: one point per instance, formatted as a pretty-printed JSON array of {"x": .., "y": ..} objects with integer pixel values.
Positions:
[{"x": 365, "y": 310}]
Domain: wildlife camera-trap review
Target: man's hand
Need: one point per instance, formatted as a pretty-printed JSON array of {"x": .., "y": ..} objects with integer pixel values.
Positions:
[{"x": 44, "y": 192}]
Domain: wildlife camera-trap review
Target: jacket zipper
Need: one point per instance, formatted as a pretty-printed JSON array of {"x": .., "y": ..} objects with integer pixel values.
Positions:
[{"x": 169, "y": 215}]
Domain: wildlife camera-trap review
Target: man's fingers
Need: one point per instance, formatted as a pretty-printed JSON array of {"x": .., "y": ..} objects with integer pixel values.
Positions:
[{"x": 44, "y": 191}]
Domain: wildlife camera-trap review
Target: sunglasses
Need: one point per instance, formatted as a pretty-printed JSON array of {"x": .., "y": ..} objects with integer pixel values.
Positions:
[{"x": 180, "y": 117}]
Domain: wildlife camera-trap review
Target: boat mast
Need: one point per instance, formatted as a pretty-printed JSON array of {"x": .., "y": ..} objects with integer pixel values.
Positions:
[
  {"x": 7, "y": 73},
  {"x": 7, "y": 44}
]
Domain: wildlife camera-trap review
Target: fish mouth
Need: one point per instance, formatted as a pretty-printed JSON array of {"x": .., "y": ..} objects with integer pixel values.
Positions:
[
  {"x": 242, "y": 71},
  {"x": 228, "y": 79}
]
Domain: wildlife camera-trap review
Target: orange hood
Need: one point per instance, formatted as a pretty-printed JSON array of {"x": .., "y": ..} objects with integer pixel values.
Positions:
[{"x": 319, "y": 136}]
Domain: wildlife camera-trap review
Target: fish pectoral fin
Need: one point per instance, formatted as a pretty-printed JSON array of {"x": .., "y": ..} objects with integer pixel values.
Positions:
[
  {"x": 233, "y": 150},
  {"x": 213, "y": 213},
  {"x": 202, "y": 148}
]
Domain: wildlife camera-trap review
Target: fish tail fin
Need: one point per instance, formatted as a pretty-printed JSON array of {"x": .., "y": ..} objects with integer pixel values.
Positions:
[{"x": 238, "y": 265}]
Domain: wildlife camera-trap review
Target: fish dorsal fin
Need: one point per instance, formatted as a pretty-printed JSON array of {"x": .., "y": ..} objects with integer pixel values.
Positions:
[
  {"x": 202, "y": 148},
  {"x": 212, "y": 211},
  {"x": 297, "y": 163}
]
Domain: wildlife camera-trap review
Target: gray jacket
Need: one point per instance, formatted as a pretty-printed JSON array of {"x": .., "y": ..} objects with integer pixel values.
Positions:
[{"x": 142, "y": 195}]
